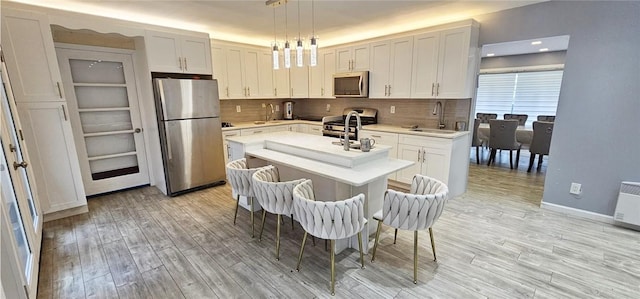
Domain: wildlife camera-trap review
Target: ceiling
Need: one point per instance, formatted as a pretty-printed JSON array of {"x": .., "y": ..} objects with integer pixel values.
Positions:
[{"x": 252, "y": 22}]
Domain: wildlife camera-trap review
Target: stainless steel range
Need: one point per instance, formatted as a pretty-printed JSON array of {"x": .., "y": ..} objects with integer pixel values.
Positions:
[{"x": 333, "y": 126}]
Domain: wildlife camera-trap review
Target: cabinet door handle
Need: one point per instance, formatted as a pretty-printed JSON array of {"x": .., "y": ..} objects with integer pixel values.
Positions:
[
  {"x": 64, "y": 113},
  {"x": 185, "y": 64},
  {"x": 228, "y": 152},
  {"x": 180, "y": 62},
  {"x": 423, "y": 155},
  {"x": 419, "y": 155},
  {"x": 376, "y": 136},
  {"x": 227, "y": 91},
  {"x": 389, "y": 91},
  {"x": 291, "y": 91},
  {"x": 59, "y": 89},
  {"x": 275, "y": 92},
  {"x": 257, "y": 132},
  {"x": 433, "y": 85},
  {"x": 248, "y": 91},
  {"x": 437, "y": 88},
  {"x": 322, "y": 91},
  {"x": 22, "y": 164}
]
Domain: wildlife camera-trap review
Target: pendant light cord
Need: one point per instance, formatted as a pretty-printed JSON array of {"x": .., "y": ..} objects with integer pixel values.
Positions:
[
  {"x": 313, "y": 21},
  {"x": 275, "y": 36},
  {"x": 299, "y": 20}
]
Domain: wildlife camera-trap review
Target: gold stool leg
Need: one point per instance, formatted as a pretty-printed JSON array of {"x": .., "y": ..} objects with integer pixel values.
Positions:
[
  {"x": 252, "y": 222},
  {"x": 333, "y": 267},
  {"x": 433, "y": 245},
  {"x": 235, "y": 215},
  {"x": 395, "y": 236},
  {"x": 264, "y": 214},
  {"x": 360, "y": 247},
  {"x": 375, "y": 243},
  {"x": 415, "y": 257},
  {"x": 304, "y": 240},
  {"x": 278, "y": 239}
]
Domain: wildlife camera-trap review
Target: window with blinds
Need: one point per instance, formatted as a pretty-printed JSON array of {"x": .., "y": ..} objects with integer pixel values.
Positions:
[{"x": 532, "y": 93}]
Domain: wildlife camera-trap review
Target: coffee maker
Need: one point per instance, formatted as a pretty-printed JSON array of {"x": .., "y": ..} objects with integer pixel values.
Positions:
[{"x": 288, "y": 110}]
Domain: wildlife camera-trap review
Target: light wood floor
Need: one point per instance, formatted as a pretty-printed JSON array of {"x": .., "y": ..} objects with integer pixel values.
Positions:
[{"x": 494, "y": 241}]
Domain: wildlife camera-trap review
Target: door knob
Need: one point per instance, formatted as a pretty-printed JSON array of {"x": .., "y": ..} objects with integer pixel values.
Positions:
[
  {"x": 22, "y": 164},
  {"x": 137, "y": 130}
]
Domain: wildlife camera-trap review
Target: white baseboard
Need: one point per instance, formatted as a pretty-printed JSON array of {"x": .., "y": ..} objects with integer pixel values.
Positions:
[{"x": 577, "y": 212}]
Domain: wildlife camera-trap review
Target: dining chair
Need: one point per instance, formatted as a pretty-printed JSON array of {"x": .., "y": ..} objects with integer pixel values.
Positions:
[
  {"x": 476, "y": 141},
  {"x": 550, "y": 118},
  {"x": 239, "y": 176},
  {"x": 522, "y": 118},
  {"x": 328, "y": 220},
  {"x": 274, "y": 197},
  {"x": 540, "y": 142},
  {"x": 485, "y": 117},
  {"x": 502, "y": 135},
  {"x": 417, "y": 210}
]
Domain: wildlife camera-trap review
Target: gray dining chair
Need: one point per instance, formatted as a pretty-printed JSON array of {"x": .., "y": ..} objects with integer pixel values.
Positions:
[
  {"x": 485, "y": 117},
  {"x": 540, "y": 142},
  {"x": 550, "y": 118},
  {"x": 476, "y": 141},
  {"x": 502, "y": 136},
  {"x": 522, "y": 118}
]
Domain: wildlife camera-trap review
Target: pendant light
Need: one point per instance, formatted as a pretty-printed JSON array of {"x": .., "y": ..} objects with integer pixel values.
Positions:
[
  {"x": 313, "y": 57},
  {"x": 287, "y": 48},
  {"x": 299, "y": 48},
  {"x": 276, "y": 58}
]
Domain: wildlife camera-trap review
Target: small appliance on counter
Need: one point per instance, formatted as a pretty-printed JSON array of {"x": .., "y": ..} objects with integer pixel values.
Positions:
[{"x": 288, "y": 110}]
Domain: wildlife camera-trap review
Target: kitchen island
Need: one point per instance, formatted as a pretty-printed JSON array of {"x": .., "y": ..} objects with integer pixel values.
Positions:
[{"x": 336, "y": 173}]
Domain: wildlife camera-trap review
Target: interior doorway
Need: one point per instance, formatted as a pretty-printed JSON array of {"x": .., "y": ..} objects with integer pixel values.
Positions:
[{"x": 105, "y": 116}]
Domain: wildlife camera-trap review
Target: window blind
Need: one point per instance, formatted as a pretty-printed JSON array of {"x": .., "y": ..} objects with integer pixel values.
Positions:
[{"x": 531, "y": 93}]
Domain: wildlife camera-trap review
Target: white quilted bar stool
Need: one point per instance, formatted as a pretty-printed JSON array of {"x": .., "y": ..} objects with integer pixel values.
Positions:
[
  {"x": 274, "y": 197},
  {"x": 328, "y": 220},
  {"x": 239, "y": 176},
  {"x": 414, "y": 211}
]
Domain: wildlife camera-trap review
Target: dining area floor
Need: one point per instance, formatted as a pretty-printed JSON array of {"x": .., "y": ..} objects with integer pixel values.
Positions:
[{"x": 492, "y": 242}]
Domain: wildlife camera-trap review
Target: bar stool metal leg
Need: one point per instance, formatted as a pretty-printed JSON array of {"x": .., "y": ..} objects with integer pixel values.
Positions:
[
  {"x": 235, "y": 215},
  {"x": 264, "y": 214},
  {"x": 304, "y": 240},
  {"x": 433, "y": 245},
  {"x": 333, "y": 267},
  {"x": 361, "y": 252},
  {"x": 375, "y": 243},
  {"x": 278, "y": 239},
  {"x": 415, "y": 257}
]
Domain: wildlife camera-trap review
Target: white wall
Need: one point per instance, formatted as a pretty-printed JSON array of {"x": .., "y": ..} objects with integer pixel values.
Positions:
[{"x": 596, "y": 140}]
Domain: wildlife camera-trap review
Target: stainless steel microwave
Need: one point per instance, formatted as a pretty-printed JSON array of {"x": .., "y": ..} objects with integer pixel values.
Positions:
[{"x": 351, "y": 85}]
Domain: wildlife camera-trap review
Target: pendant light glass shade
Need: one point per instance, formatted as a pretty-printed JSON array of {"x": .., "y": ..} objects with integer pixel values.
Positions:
[
  {"x": 314, "y": 52},
  {"x": 287, "y": 55},
  {"x": 276, "y": 58},
  {"x": 299, "y": 54}
]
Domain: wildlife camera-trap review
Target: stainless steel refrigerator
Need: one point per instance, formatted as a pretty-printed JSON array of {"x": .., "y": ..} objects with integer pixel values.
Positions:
[{"x": 190, "y": 133}]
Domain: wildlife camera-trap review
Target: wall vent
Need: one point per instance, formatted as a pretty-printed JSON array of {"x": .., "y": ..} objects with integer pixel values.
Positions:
[{"x": 628, "y": 206}]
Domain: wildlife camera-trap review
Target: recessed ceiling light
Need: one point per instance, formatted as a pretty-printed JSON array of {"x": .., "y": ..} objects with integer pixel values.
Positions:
[
  {"x": 491, "y": 54},
  {"x": 536, "y": 42},
  {"x": 544, "y": 50}
]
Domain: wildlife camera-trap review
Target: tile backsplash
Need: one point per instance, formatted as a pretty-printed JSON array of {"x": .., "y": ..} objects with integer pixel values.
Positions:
[{"x": 407, "y": 111}]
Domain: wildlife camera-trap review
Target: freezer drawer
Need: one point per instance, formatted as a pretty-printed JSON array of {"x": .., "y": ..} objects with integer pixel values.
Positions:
[
  {"x": 193, "y": 154},
  {"x": 184, "y": 99}
]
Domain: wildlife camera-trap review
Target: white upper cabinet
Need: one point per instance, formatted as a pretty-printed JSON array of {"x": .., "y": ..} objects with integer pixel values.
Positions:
[
  {"x": 30, "y": 56},
  {"x": 391, "y": 64},
  {"x": 352, "y": 58},
  {"x": 281, "y": 80},
  {"x": 266, "y": 82},
  {"x": 173, "y": 53},
  {"x": 444, "y": 63},
  {"x": 220, "y": 70},
  {"x": 299, "y": 78},
  {"x": 321, "y": 75}
]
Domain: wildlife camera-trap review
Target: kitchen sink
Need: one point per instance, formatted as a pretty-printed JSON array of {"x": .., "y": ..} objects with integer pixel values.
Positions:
[
  {"x": 262, "y": 122},
  {"x": 429, "y": 130}
]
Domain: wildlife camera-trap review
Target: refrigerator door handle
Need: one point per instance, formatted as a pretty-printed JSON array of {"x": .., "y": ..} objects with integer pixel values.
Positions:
[
  {"x": 162, "y": 100},
  {"x": 168, "y": 136}
]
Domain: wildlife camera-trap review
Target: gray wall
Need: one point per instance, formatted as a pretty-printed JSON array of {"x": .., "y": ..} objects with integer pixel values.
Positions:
[
  {"x": 596, "y": 140},
  {"x": 513, "y": 61}
]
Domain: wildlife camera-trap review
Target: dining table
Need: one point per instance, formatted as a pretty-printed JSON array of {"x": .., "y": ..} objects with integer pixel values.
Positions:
[{"x": 524, "y": 134}]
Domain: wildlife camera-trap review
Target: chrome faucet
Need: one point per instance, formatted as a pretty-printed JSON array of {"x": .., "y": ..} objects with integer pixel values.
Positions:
[
  {"x": 268, "y": 115},
  {"x": 346, "y": 127},
  {"x": 441, "y": 124}
]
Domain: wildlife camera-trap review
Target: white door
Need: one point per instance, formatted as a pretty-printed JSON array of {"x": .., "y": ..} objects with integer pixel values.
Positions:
[
  {"x": 411, "y": 153},
  {"x": 435, "y": 164},
  {"x": 453, "y": 64},
  {"x": 380, "y": 67},
  {"x": 425, "y": 65},
  {"x": 20, "y": 209},
  {"x": 400, "y": 69},
  {"x": 105, "y": 116}
]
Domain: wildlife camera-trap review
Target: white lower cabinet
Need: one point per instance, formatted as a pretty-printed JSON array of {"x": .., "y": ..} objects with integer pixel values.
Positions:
[
  {"x": 384, "y": 138},
  {"x": 225, "y": 144},
  {"x": 440, "y": 158},
  {"x": 49, "y": 138},
  {"x": 312, "y": 129}
]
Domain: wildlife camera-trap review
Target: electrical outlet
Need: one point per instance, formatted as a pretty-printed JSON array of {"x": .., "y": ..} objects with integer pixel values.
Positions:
[
  {"x": 575, "y": 188},
  {"x": 277, "y": 108},
  {"x": 393, "y": 109},
  {"x": 264, "y": 105},
  {"x": 328, "y": 107},
  {"x": 238, "y": 108}
]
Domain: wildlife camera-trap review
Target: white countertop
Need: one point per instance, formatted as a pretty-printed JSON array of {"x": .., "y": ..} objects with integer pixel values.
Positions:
[
  {"x": 377, "y": 127},
  {"x": 316, "y": 154}
]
